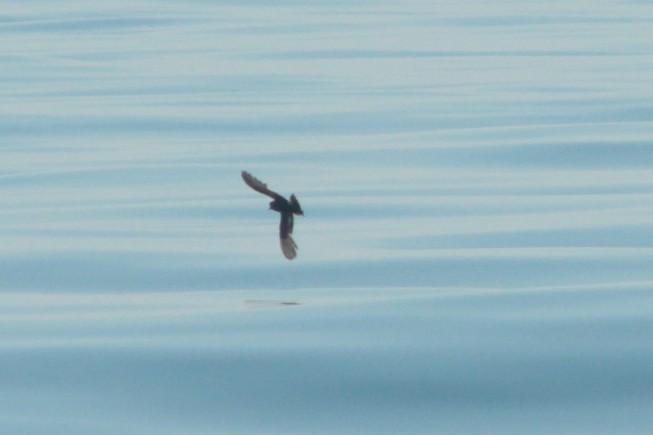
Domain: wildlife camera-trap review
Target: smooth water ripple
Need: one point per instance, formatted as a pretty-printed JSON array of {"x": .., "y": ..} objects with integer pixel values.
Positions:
[{"x": 477, "y": 247}]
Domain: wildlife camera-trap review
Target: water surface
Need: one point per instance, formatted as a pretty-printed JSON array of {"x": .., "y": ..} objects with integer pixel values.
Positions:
[{"x": 475, "y": 255}]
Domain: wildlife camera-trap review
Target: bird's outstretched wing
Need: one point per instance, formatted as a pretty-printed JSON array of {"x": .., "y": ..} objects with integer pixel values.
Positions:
[
  {"x": 286, "y": 224},
  {"x": 288, "y": 245},
  {"x": 258, "y": 185}
]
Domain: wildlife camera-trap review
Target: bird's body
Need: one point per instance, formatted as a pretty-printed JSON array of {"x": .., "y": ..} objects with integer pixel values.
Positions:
[{"x": 287, "y": 209}]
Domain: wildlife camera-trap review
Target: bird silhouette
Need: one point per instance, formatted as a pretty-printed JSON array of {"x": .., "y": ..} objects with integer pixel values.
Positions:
[{"x": 287, "y": 209}]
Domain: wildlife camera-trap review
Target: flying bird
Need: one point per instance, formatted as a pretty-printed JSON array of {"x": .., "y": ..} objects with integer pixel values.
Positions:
[{"x": 287, "y": 209}]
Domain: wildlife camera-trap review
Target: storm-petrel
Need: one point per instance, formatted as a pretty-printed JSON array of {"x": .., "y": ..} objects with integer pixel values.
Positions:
[{"x": 282, "y": 205}]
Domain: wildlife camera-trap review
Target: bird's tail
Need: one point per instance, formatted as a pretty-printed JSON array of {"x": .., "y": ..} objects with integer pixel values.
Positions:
[{"x": 296, "y": 208}]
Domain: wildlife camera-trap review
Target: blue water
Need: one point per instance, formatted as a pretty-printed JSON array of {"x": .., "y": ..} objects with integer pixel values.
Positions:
[{"x": 477, "y": 247}]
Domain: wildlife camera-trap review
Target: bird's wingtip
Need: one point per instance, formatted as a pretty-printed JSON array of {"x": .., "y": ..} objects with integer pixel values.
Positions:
[{"x": 289, "y": 247}]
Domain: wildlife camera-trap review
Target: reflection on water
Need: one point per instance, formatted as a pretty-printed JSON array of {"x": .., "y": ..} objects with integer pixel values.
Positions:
[{"x": 476, "y": 249}]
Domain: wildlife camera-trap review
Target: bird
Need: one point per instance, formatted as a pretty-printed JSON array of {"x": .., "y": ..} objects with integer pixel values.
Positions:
[{"x": 287, "y": 209}]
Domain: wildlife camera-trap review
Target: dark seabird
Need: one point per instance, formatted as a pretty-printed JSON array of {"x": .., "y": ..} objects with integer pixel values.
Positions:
[{"x": 287, "y": 208}]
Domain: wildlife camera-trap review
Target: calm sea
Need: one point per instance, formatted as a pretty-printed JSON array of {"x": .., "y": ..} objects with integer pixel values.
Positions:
[{"x": 476, "y": 255}]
